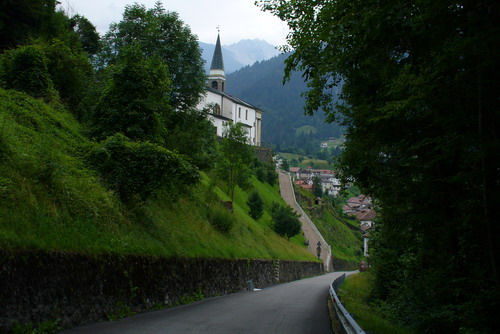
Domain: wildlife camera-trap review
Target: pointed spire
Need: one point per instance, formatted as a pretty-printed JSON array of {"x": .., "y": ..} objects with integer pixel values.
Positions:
[{"x": 217, "y": 61}]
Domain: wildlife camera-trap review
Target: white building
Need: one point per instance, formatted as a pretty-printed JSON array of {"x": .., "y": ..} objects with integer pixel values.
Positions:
[{"x": 226, "y": 109}]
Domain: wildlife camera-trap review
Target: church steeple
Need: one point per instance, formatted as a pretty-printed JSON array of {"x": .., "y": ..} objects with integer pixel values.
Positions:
[{"x": 217, "y": 77}]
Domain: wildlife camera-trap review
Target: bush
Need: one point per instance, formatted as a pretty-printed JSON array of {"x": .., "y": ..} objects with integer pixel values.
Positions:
[
  {"x": 26, "y": 69},
  {"x": 272, "y": 177},
  {"x": 286, "y": 222},
  {"x": 221, "y": 219},
  {"x": 137, "y": 169},
  {"x": 265, "y": 172},
  {"x": 256, "y": 205}
]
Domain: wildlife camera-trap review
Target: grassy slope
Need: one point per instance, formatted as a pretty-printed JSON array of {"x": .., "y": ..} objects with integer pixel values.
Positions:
[
  {"x": 50, "y": 200},
  {"x": 355, "y": 294},
  {"x": 308, "y": 162},
  {"x": 305, "y": 129},
  {"x": 345, "y": 241}
]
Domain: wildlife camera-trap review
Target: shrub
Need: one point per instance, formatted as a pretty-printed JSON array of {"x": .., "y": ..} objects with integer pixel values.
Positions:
[
  {"x": 26, "y": 69},
  {"x": 272, "y": 177},
  {"x": 137, "y": 169},
  {"x": 256, "y": 205},
  {"x": 221, "y": 219},
  {"x": 265, "y": 172},
  {"x": 261, "y": 174},
  {"x": 286, "y": 222}
]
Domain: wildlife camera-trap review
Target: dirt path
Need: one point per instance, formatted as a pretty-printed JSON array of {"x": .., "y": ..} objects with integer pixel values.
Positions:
[{"x": 311, "y": 233}]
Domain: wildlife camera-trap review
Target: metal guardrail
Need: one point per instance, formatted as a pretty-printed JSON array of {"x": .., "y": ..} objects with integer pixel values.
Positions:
[{"x": 348, "y": 323}]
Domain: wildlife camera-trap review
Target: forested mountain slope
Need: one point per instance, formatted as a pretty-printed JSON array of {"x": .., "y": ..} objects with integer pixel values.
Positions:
[
  {"x": 284, "y": 126},
  {"x": 245, "y": 52}
]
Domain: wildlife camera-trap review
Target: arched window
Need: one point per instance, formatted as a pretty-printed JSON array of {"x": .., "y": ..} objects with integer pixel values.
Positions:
[
  {"x": 216, "y": 109},
  {"x": 215, "y": 85}
]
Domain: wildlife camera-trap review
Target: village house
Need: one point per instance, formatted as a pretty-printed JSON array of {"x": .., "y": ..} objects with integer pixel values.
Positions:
[
  {"x": 329, "y": 182},
  {"x": 361, "y": 207},
  {"x": 225, "y": 109}
]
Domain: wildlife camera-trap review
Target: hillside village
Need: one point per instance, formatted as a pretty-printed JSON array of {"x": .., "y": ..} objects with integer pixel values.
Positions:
[{"x": 360, "y": 207}]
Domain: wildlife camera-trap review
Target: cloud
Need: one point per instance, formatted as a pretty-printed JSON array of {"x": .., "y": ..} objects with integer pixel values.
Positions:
[{"x": 238, "y": 19}]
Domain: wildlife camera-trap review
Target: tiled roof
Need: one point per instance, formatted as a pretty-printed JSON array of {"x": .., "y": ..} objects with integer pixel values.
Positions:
[{"x": 365, "y": 215}]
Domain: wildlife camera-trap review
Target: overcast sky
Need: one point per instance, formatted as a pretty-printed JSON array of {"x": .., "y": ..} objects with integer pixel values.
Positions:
[{"x": 238, "y": 19}]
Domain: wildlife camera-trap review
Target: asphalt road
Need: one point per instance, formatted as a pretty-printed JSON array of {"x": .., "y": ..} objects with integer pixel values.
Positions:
[{"x": 296, "y": 307}]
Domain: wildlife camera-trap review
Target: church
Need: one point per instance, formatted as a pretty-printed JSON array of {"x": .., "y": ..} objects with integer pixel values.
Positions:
[{"x": 226, "y": 109}]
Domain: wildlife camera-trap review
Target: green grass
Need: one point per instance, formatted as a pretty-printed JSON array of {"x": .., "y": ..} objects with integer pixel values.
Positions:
[
  {"x": 307, "y": 161},
  {"x": 355, "y": 294},
  {"x": 51, "y": 200},
  {"x": 316, "y": 164}
]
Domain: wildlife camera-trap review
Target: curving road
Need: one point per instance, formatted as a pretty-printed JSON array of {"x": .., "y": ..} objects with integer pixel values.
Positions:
[{"x": 296, "y": 307}]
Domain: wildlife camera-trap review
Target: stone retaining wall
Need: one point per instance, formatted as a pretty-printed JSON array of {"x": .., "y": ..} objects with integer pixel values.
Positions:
[{"x": 78, "y": 289}]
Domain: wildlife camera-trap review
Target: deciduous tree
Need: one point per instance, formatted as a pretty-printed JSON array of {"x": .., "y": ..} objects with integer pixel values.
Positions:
[
  {"x": 235, "y": 156},
  {"x": 420, "y": 100},
  {"x": 161, "y": 33},
  {"x": 135, "y": 100}
]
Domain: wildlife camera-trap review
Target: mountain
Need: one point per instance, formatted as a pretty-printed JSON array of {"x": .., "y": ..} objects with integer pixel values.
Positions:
[
  {"x": 237, "y": 55},
  {"x": 284, "y": 125},
  {"x": 249, "y": 51}
]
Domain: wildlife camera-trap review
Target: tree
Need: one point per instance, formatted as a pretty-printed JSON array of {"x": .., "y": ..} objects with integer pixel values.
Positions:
[
  {"x": 87, "y": 34},
  {"x": 190, "y": 132},
  {"x": 24, "y": 19},
  {"x": 256, "y": 205},
  {"x": 420, "y": 100},
  {"x": 236, "y": 156},
  {"x": 135, "y": 101},
  {"x": 317, "y": 189},
  {"x": 285, "y": 165},
  {"x": 286, "y": 222},
  {"x": 26, "y": 69},
  {"x": 71, "y": 73},
  {"x": 162, "y": 34}
]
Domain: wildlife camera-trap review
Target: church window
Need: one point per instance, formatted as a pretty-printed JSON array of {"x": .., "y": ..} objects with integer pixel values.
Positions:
[
  {"x": 214, "y": 85},
  {"x": 246, "y": 114},
  {"x": 239, "y": 112},
  {"x": 216, "y": 109}
]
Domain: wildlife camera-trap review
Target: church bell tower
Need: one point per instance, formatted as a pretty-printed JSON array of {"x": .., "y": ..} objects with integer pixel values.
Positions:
[{"x": 217, "y": 77}]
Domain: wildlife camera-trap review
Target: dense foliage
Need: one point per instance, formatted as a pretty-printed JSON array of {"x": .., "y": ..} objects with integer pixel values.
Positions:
[
  {"x": 286, "y": 221},
  {"x": 161, "y": 33},
  {"x": 136, "y": 169},
  {"x": 421, "y": 106},
  {"x": 256, "y": 205},
  {"x": 26, "y": 69},
  {"x": 191, "y": 133},
  {"x": 235, "y": 158},
  {"x": 21, "y": 20},
  {"x": 135, "y": 100}
]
